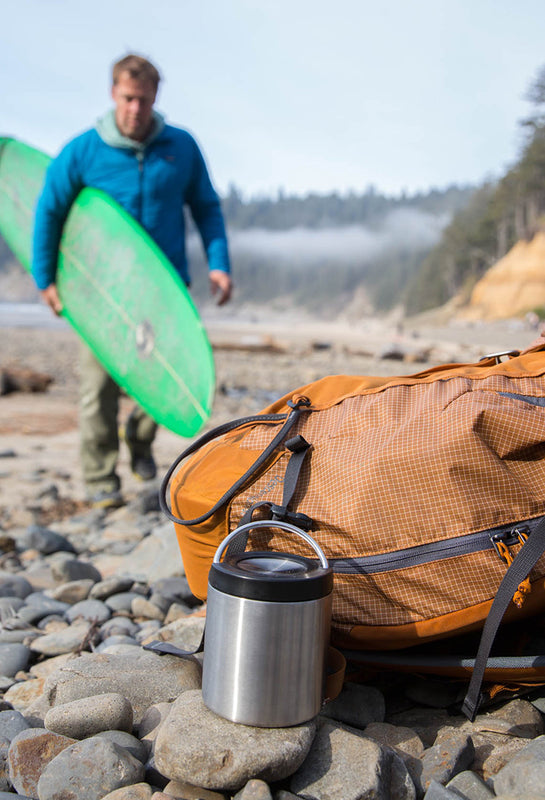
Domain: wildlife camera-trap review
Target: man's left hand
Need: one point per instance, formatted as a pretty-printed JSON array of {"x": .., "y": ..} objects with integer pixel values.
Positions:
[{"x": 221, "y": 285}]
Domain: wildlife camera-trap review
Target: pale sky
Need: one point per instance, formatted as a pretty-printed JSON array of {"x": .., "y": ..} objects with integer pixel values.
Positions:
[{"x": 298, "y": 95}]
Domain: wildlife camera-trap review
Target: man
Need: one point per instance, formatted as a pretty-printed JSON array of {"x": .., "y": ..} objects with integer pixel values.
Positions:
[{"x": 152, "y": 169}]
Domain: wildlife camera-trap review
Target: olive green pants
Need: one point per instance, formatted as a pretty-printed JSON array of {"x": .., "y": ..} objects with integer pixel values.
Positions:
[{"x": 99, "y": 431}]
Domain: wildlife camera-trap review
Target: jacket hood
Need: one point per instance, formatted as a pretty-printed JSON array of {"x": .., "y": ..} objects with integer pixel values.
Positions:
[{"x": 109, "y": 132}]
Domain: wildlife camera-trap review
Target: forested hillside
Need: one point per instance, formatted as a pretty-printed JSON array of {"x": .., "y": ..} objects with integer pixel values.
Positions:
[
  {"x": 320, "y": 251},
  {"x": 497, "y": 216},
  {"x": 331, "y": 252},
  {"x": 323, "y": 251}
]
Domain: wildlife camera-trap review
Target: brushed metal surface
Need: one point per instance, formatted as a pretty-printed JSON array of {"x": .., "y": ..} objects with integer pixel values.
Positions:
[{"x": 264, "y": 662}]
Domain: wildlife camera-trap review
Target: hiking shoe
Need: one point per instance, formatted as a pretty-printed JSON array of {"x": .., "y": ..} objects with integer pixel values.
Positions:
[
  {"x": 104, "y": 499},
  {"x": 144, "y": 467}
]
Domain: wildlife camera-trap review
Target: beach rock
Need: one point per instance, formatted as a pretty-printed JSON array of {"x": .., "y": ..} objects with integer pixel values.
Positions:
[
  {"x": 186, "y": 791},
  {"x": 29, "y": 754},
  {"x": 518, "y": 718},
  {"x": 436, "y": 791},
  {"x": 469, "y": 785},
  {"x": 127, "y": 741},
  {"x": 20, "y": 635},
  {"x": 21, "y": 695},
  {"x": 118, "y": 626},
  {"x": 153, "y": 776},
  {"x": 393, "y": 351},
  {"x": 73, "y": 591},
  {"x": 144, "y": 678},
  {"x": 9, "y": 606},
  {"x": 174, "y": 589},
  {"x": 254, "y": 790},
  {"x": 141, "y": 607},
  {"x": 196, "y": 746},
  {"x": 80, "y": 719},
  {"x": 147, "y": 501},
  {"x": 12, "y": 722},
  {"x": 64, "y": 641},
  {"x": 453, "y": 752},
  {"x": 122, "y": 601},
  {"x": 537, "y": 702},
  {"x": 36, "y": 711},
  {"x": 74, "y": 774},
  {"x": 185, "y": 633},
  {"x": 109, "y": 645},
  {"x": 493, "y": 752},
  {"x": 39, "y": 574},
  {"x": 136, "y": 791},
  {"x": 113, "y": 585},
  {"x": 342, "y": 762},
  {"x": 44, "y": 540},
  {"x": 44, "y": 668},
  {"x": 73, "y": 569},
  {"x": 52, "y": 623},
  {"x": 525, "y": 772},
  {"x": 90, "y": 610},
  {"x": 13, "y": 657},
  {"x": 357, "y": 705},
  {"x": 176, "y": 611},
  {"x": 5, "y": 782},
  {"x": 160, "y": 601},
  {"x": 120, "y": 649},
  {"x": 147, "y": 628},
  {"x": 38, "y": 606},
  {"x": 24, "y": 379},
  {"x": 404, "y": 740},
  {"x": 425, "y": 722},
  {"x": 150, "y": 724},
  {"x": 14, "y": 585},
  {"x": 157, "y": 556},
  {"x": 9, "y": 453}
]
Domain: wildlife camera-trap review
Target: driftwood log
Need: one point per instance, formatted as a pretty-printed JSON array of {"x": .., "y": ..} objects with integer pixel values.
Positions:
[{"x": 23, "y": 379}]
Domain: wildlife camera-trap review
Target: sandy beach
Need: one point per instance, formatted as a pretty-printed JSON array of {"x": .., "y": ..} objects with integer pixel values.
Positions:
[
  {"x": 115, "y": 581},
  {"x": 258, "y": 358}
]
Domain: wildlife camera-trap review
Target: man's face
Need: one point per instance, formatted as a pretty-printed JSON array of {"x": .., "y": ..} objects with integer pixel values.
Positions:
[{"x": 134, "y": 101}]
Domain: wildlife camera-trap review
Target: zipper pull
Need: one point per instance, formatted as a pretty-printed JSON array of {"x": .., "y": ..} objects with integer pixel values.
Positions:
[{"x": 502, "y": 549}]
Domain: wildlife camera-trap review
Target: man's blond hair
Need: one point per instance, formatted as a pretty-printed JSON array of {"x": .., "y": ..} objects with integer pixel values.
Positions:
[{"x": 138, "y": 67}]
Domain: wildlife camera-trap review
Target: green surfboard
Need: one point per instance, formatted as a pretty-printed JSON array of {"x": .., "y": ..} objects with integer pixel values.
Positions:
[{"x": 120, "y": 293}]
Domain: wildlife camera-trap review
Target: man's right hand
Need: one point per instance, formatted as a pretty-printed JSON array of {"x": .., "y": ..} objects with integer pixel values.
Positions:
[{"x": 51, "y": 298}]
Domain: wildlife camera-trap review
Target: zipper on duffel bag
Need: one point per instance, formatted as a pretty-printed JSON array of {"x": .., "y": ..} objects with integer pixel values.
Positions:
[{"x": 500, "y": 539}]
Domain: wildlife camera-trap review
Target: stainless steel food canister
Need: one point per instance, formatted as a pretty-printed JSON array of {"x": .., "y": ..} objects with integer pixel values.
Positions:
[{"x": 267, "y": 631}]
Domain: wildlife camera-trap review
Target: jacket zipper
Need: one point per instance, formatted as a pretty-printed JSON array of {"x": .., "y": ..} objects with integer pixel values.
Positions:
[
  {"x": 140, "y": 159},
  {"x": 497, "y": 539}
]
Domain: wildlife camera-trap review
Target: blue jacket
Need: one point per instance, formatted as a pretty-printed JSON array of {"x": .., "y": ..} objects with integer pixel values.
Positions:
[{"x": 152, "y": 182}]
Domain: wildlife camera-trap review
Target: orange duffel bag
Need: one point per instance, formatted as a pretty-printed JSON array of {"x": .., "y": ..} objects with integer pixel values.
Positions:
[{"x": 426, "y": 493}]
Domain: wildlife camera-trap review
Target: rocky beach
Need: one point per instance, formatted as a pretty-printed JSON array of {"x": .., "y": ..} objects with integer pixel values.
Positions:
[{"x": 86, "y": 713}]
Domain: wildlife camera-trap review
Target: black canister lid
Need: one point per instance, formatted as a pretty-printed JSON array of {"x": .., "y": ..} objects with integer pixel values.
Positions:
[{"x": 271, "y": 577}]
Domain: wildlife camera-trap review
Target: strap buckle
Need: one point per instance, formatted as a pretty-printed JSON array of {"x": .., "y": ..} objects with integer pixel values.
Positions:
[
  {"x": 282, "y": 514},
  {"x": 500, "y": 354}
]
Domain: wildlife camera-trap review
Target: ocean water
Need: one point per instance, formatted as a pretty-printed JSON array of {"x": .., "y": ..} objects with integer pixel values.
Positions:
[{"x": 29, "y": 315}]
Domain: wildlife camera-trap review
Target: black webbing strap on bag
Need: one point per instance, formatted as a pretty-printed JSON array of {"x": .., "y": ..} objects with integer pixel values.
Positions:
[
  {"x": 290, "y": 419},
  {"x": 299, "y": 448},
  {"x": 166, "y": 648},
  {"x": 523, "y": 563}
]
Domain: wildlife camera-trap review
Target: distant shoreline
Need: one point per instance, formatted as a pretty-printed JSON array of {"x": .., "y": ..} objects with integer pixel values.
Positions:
[
  {"x": 28, "y": 315},
  {"x": 292, "y": 328}
]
